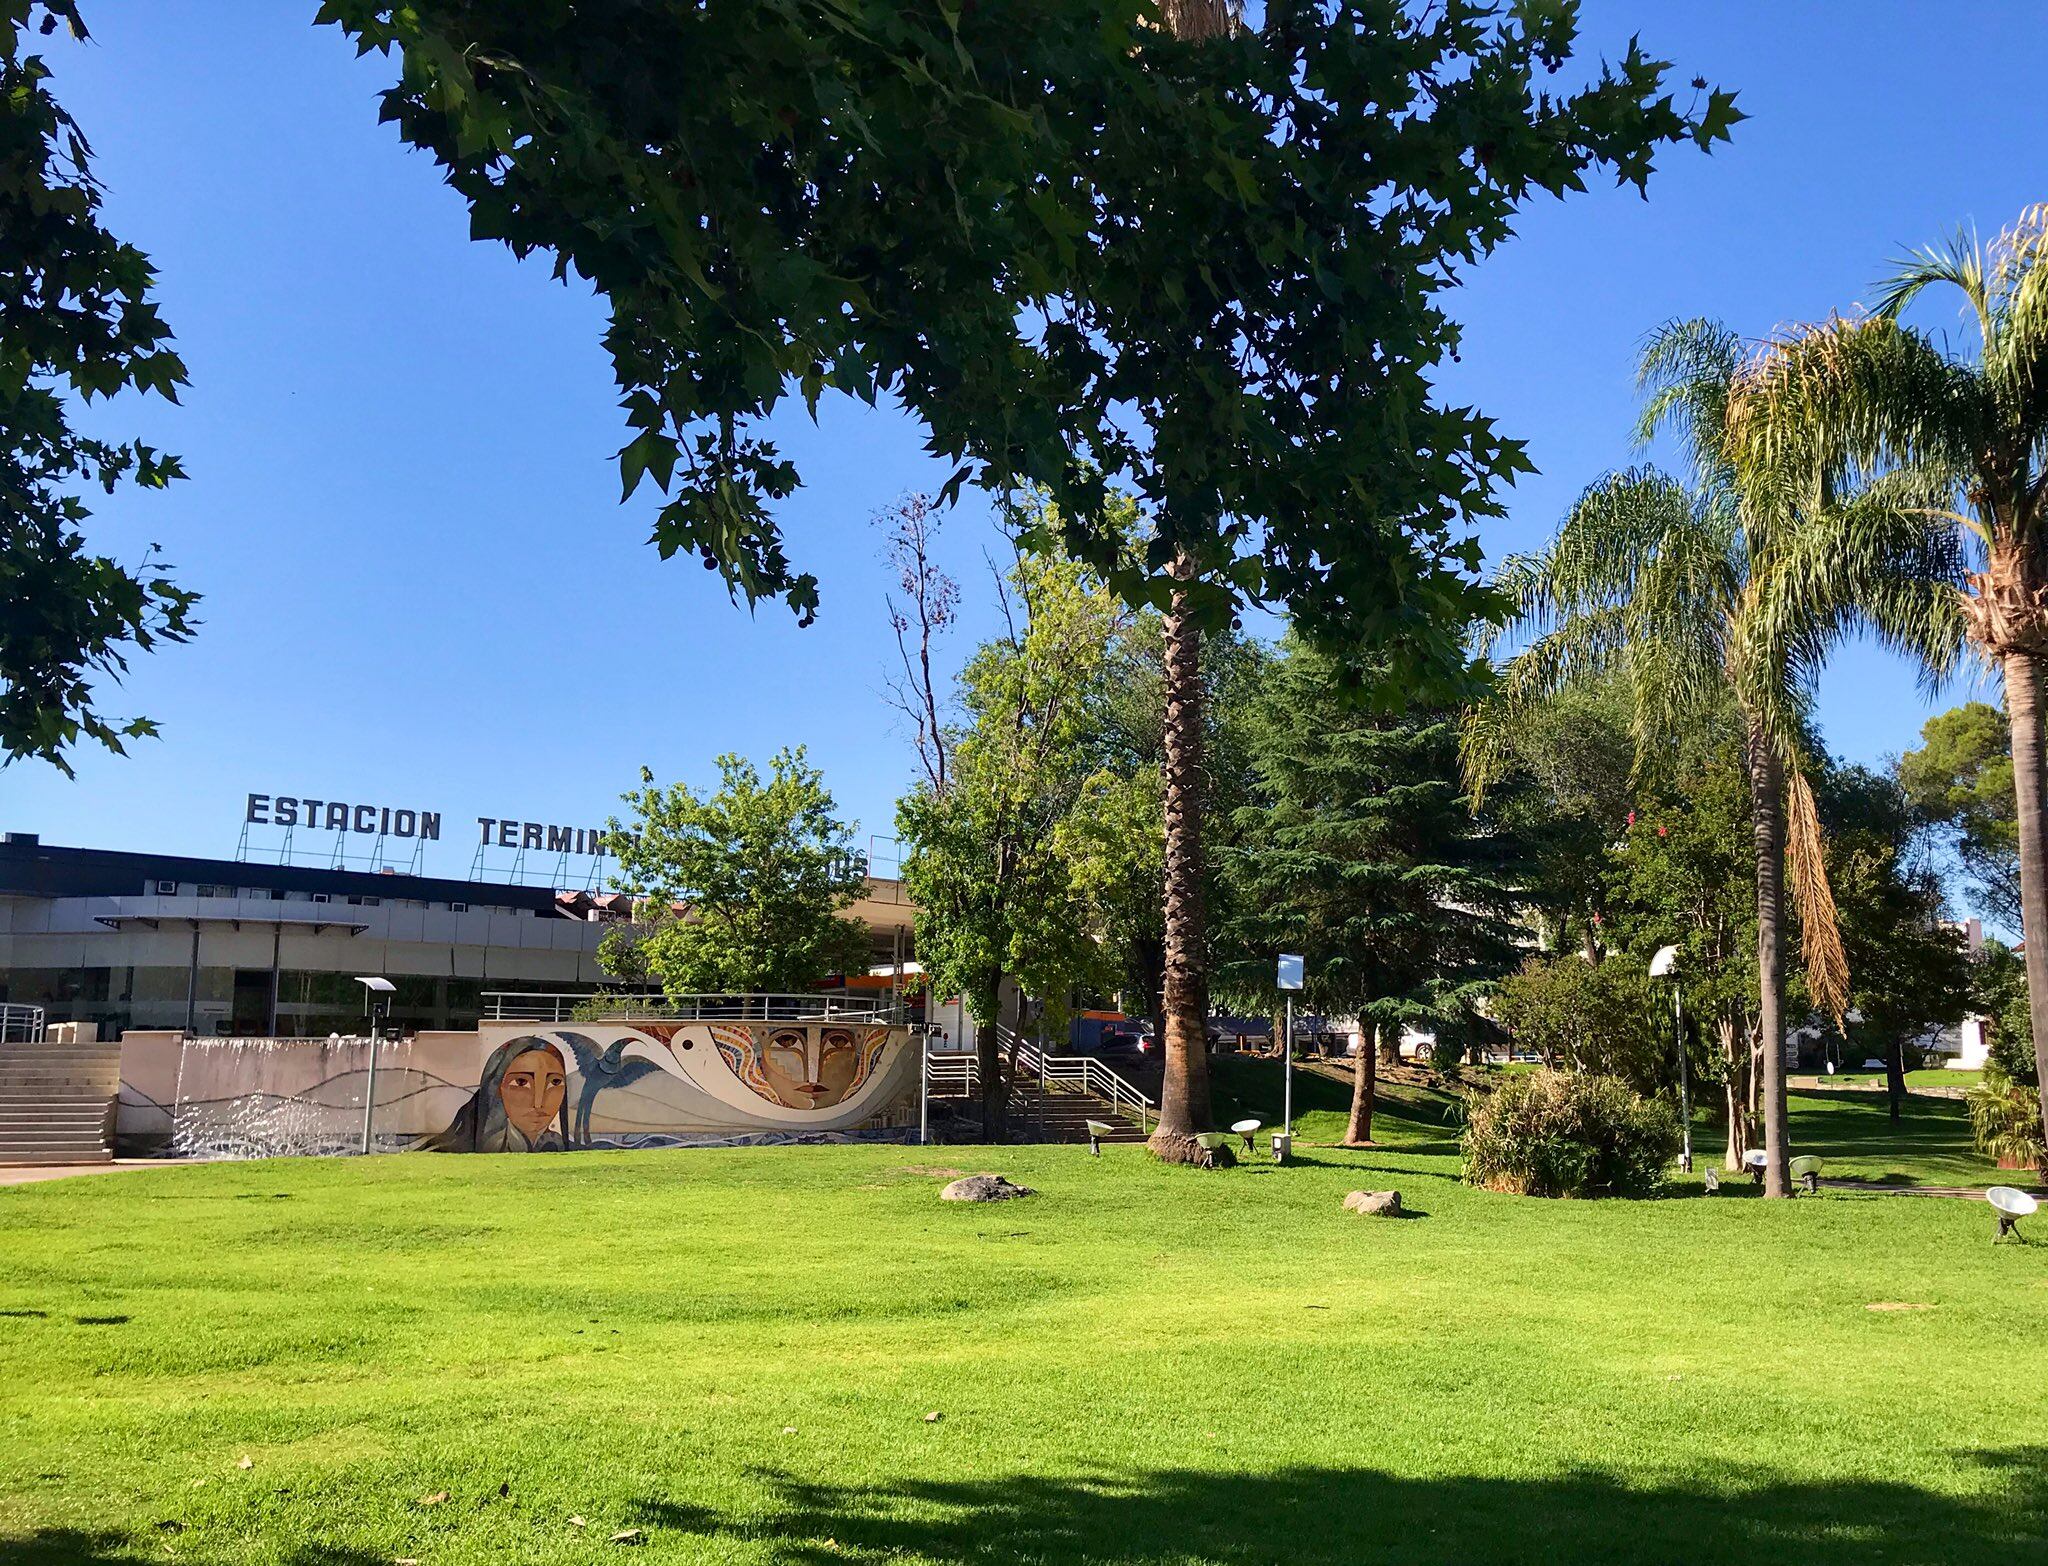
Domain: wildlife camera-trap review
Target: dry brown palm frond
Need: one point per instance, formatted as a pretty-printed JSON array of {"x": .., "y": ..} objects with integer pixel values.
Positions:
[
  {"x": 1820, "y": 930},
  {"x": 1198, "y": 19}
]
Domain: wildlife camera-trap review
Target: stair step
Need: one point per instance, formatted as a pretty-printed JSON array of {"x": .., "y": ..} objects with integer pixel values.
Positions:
[{"x": 61, "y": 1156}]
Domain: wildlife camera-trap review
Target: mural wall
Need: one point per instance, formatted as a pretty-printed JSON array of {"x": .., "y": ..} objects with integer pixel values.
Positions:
[{"x": 522, "y": 1087}]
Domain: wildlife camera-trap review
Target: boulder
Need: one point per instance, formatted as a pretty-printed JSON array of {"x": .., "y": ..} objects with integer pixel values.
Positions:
[
  {"x": 1374, "y": 1204},
  {"x": 983, "y": 1188}
]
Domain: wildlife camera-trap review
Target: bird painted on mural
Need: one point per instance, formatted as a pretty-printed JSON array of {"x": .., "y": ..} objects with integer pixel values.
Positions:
[{"x": 596, "y": 1071}]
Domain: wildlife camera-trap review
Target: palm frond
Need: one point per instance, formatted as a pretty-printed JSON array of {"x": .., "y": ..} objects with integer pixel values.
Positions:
[
  {"x": 1685, "y": 371},
  {"x": 1820, "y": 929},
  {"x": 1961, "y": 263},
  {"x": 1854, "y": 398}
]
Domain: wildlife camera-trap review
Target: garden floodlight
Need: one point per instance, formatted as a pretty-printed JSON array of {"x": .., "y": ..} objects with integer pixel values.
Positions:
[
  {"x": 1245, "y": 1129},
  {"x": 2011, "y": 1206},
  {"x": 1097, "y": 1130},
  {"x": 1808, "y": 1170},
  {"x": 1665, "y": 966}
]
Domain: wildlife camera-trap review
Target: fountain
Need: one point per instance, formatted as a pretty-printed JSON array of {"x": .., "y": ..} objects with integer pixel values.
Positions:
[{"x": 278, "y": 1098}]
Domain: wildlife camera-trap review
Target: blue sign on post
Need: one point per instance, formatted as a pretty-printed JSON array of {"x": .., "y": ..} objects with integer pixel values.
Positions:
[{"x": 1290, "y": 972}]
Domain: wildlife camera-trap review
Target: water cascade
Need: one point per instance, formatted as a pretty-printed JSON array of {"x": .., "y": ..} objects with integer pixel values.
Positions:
[{"x": 279, "y": 1098}]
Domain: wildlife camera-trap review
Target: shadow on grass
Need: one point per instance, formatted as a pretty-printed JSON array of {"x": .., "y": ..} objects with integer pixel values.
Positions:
[
  {"x": 1329, "y": 1516},
  {"x": 76, "y": 1547}
]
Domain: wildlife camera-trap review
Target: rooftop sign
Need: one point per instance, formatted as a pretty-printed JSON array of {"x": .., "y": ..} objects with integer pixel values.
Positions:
[{"x": 412, "y": 823}]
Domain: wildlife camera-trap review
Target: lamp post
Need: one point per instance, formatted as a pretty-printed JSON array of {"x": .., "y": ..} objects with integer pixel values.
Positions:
[
  {"x": 377, "y": 995},
  {"x": 1665, "y": 966},
  {"x": 1289, "y": 978}
]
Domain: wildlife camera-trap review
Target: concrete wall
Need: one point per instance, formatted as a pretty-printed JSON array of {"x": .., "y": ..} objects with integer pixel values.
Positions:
[{"x": 602, "y": 1084}]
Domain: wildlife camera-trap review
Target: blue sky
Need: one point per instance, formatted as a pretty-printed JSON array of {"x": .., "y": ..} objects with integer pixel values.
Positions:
[{"x": 421, "y": 588}]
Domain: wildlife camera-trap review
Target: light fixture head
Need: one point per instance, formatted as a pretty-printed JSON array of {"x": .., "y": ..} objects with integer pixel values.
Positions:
[
  {"x": 376, "y": 985},
  {"x": 1665, "y": 964}
]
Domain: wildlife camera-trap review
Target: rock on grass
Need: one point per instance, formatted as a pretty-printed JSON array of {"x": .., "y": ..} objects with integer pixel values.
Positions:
[
  {"x": 1374, "y": 1204},
  {"x": 983, "y": 1188}
]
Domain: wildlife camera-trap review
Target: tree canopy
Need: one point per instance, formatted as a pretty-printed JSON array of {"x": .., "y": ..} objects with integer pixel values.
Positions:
[
  {"x": 1959, "y": 782},
  {"x": 77, "y": 323},
  {"x": 742, "y": 889},
  {"x": 1083, "y": 251}
]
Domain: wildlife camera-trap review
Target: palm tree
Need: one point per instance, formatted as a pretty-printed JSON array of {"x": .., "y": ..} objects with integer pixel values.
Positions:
[
  {"x": 1873, "y": 393},
  {"x": 1184, "y": 1091},
  {"x": 1734, "y": 586}
]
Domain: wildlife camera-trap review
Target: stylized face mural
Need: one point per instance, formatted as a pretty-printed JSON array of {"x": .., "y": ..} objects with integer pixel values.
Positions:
[
  {"x": 532, "y": 1091},
  {"x": 801, "y": 1067}
]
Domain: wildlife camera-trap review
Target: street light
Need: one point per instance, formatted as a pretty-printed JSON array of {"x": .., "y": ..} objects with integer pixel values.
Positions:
[
  {"x": 1290, "y": 976},
  {"x": 1665, "y": 966},
  {"x": 377, "y": 995}
]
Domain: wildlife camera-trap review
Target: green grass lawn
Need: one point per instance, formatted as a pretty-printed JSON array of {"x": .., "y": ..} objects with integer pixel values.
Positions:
[
  {"x": 734, "y": 1353},
  {"x": 1932, "y": 1077}
]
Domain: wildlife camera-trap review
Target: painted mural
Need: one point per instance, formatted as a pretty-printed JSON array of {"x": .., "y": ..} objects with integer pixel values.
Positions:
[
  {"x": 517, "y": 1106},
  {"x": 522, "y": 1087}
]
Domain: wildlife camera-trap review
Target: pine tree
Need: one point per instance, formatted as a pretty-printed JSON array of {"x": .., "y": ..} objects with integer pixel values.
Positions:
[{"x": 1360, "y": 853}]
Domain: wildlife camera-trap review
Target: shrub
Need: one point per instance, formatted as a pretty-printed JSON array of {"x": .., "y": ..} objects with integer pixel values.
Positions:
[
  {"x": 2005, "y": 1120},
  {"x": 1608, "y": 1018},
  {"x": 1552, "y": 1134}
]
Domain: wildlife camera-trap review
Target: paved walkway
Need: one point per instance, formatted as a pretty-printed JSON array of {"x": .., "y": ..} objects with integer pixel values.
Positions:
[{"x": 33, "y": 1174}]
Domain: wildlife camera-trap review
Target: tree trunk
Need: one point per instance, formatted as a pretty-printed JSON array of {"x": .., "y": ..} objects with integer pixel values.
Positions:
[
  {"x": 1184, "y": 1094},
  {"x": 1735, "y": 1050},
  {"x": 1365, "y": 1071},
  {"x": 988, "y": 1062},
  {"x": 1767, "y": 808},
  {"x": 2030, "y": 788}
]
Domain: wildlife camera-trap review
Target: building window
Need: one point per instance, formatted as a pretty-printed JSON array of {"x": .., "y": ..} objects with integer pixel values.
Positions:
[{"x": 167, "y": 889}]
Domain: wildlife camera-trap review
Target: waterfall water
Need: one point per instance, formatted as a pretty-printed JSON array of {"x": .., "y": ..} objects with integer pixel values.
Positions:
[{"x": 276, "y": 1098}]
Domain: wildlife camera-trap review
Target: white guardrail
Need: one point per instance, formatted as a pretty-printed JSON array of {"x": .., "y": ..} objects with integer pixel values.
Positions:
[
  {"x": 582, "y": 1006},
  {"x": 20, "y": 1024},
  {"x": 957, "y": 1074}
]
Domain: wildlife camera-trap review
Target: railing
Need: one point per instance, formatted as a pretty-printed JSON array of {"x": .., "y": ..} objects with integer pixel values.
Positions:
[
  {"x": 958, "y": 1075},
  {"x": 1085, "y": 1074},
  {"x": 579, "y": 1006},
  {"x": 20, "y": 1024}
]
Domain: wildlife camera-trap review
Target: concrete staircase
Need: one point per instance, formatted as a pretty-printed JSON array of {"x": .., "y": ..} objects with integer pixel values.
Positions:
[
  {"x": 57, "y": 1102},
  {"x": 1061, "y": 1114}
]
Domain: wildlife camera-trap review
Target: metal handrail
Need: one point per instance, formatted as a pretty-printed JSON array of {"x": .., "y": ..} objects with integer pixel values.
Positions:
[
  {"x": 584, "y": 1005},
  {"x": 20, "y": 1023},
  {"x": 1091, "y": 1075},
  {"x": 962, "y": 1071}
]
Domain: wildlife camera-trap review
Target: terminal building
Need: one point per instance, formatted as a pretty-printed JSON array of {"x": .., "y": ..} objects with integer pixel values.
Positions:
[{"x": 233, "y": 947}]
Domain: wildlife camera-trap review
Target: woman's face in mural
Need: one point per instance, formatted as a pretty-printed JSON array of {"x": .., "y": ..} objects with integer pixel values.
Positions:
[
  {"x": 810, "y": 1071},
  {"x": 838, "y": 1063},
  {"x": 532, "y": 1091}
]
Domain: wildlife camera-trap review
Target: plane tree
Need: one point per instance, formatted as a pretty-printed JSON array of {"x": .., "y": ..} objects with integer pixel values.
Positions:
[
  {"x": 1087, "y": 244},
  {"x": 78, "y": 321}
]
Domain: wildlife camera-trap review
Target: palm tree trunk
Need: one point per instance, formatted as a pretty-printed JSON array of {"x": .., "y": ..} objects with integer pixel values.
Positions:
[
  {"x": 1364, "y": 1084},
  {"x": 1767, "y": 813},
  {"x": 1184, "y": 1094},
  {"x": 2030, "y": 788}
]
